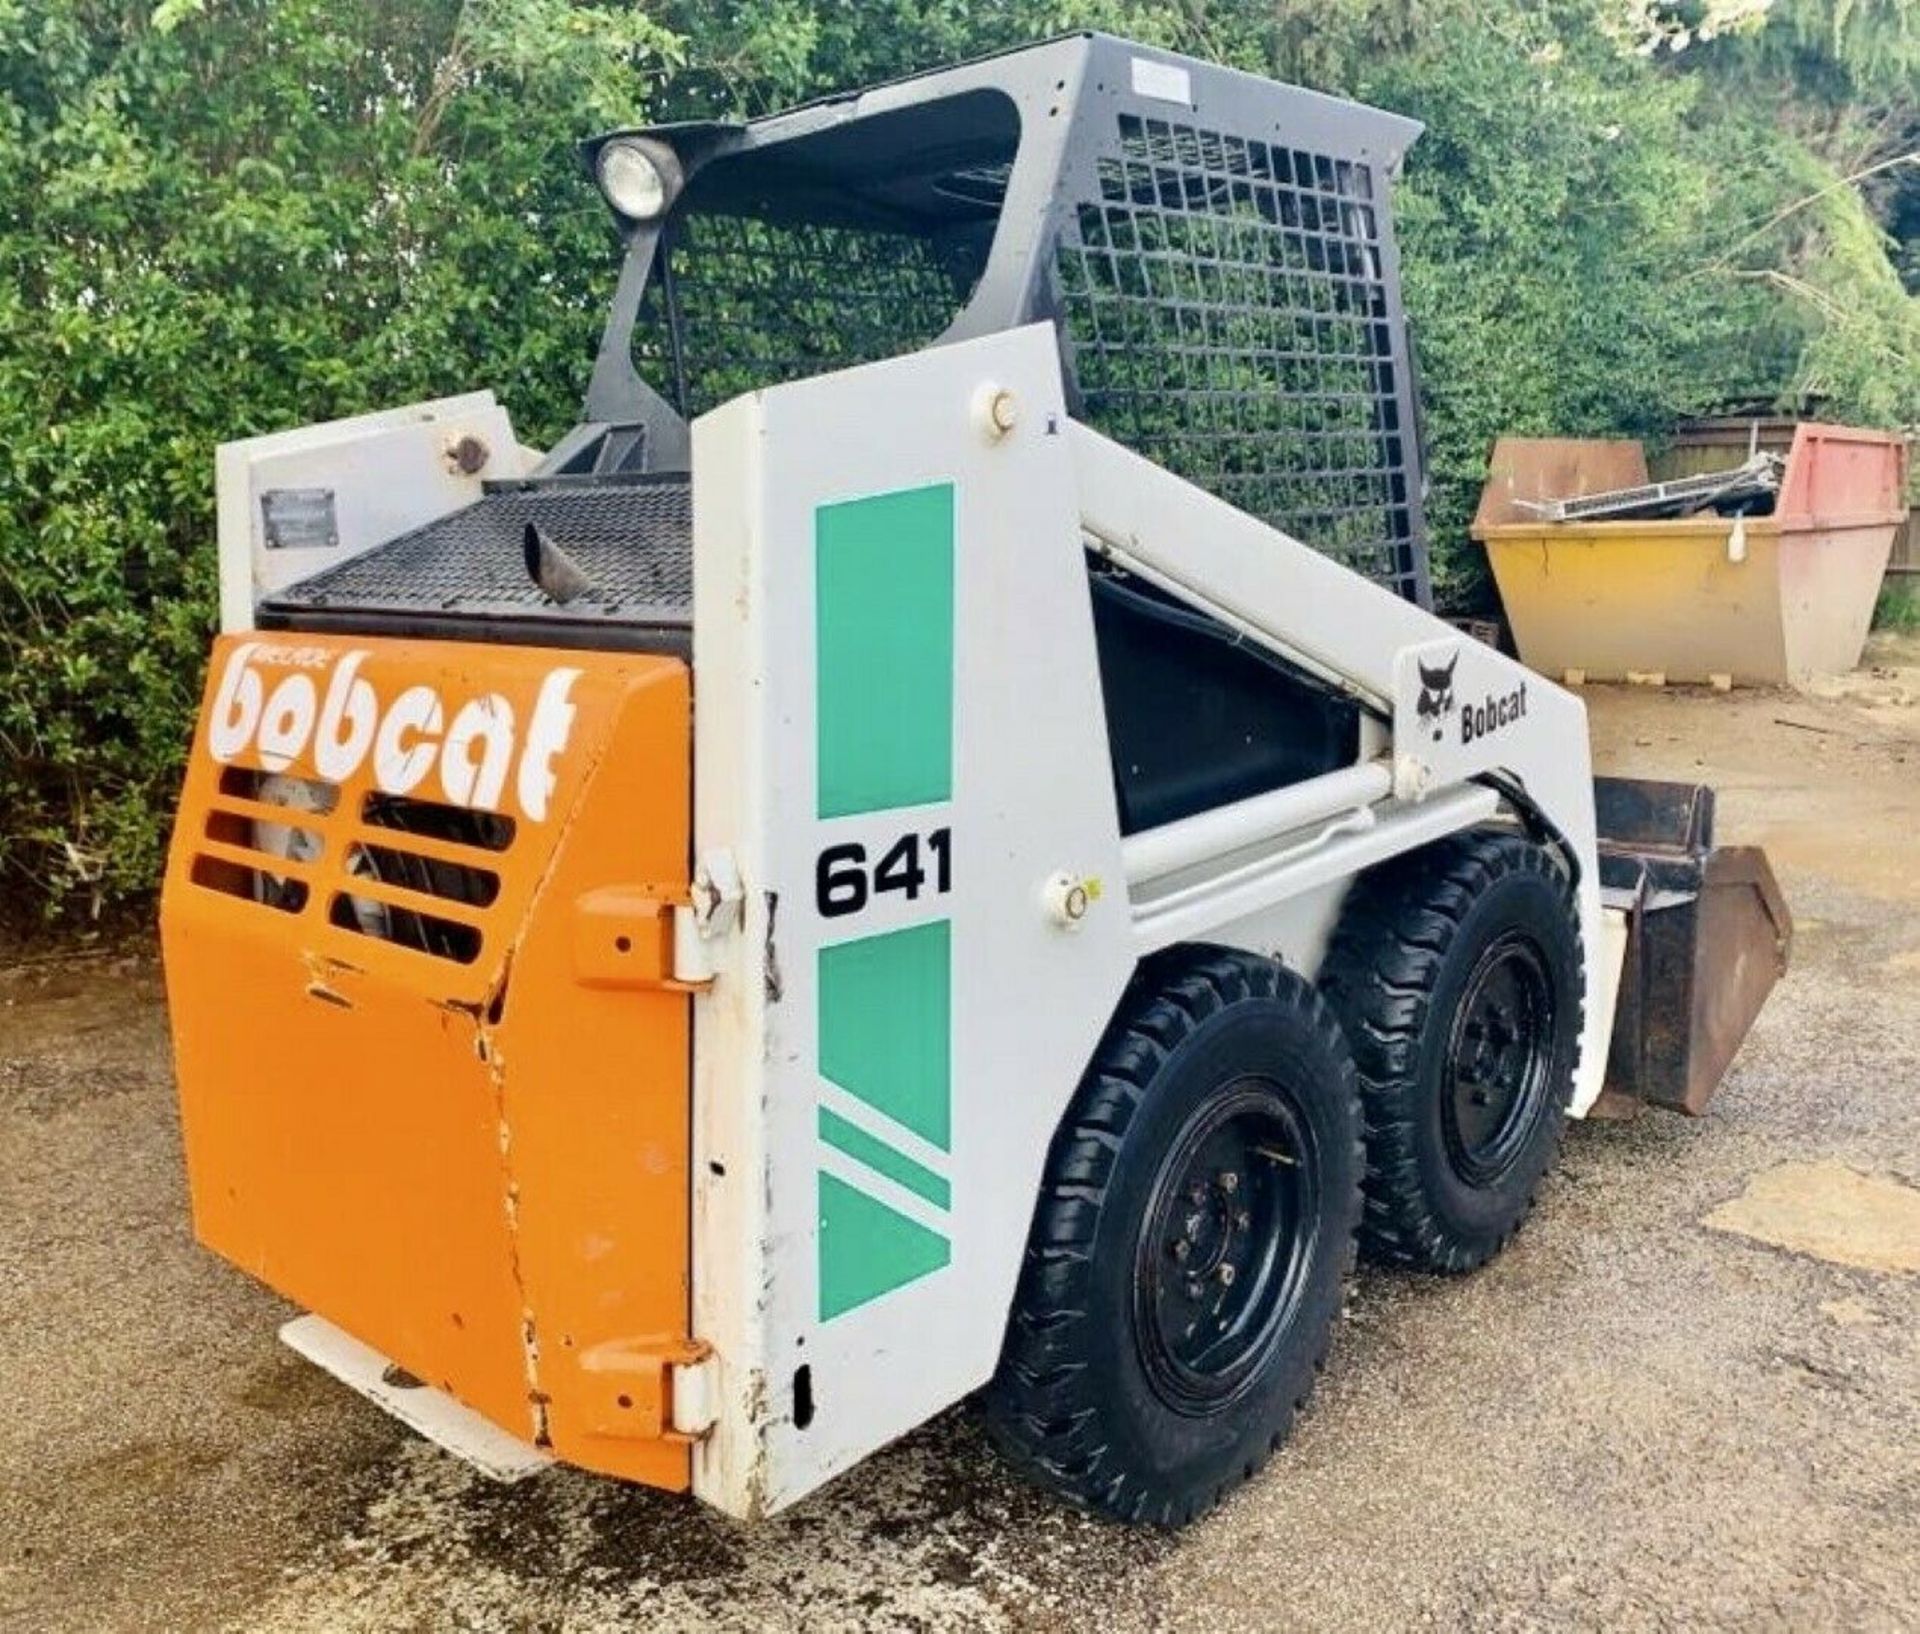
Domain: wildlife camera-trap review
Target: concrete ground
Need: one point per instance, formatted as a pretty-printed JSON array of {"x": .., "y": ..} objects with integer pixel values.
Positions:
[{"x": 1633, "y": 1419}]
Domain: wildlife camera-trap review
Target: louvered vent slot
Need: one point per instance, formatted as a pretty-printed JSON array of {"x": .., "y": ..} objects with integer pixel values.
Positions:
[
  {"x": 254, "y": 884},
  {"x": 422, "y": 878},
  {"x": 263, "y": 837}
]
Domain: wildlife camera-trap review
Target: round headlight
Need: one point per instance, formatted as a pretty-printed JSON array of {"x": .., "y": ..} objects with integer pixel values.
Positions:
[{"x": 639, "y": 178}]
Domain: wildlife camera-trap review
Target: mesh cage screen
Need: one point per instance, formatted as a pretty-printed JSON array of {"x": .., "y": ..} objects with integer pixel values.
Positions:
[
  {"x": 1229, "y": 320},
  {"x": 763, "y": 301}
]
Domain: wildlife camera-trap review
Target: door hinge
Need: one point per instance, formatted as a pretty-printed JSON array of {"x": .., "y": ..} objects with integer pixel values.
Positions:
[
  {"x": 650, "y": 1389},
  {"x": 632, "y": 936}
]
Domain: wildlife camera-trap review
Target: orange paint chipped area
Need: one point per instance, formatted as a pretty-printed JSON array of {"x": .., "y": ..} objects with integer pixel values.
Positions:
[{"x": 419, "y": 1096}]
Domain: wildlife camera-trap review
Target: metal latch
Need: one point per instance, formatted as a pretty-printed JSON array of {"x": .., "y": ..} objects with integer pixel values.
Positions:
[
  {"x": 650, "y": 1389},
  {"x": 712, "y": 913},
  {"x": 717, "y": 893}
]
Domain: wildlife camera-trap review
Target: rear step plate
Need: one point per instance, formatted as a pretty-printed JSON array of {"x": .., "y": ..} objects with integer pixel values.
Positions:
[{"x": 432, "y": 1413}]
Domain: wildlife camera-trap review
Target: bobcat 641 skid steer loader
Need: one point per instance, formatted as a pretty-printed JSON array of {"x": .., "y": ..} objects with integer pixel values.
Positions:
[{"x": 931, "y": 843}]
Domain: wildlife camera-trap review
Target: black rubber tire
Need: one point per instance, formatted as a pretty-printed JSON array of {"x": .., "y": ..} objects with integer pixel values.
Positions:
[
  {"x": 1075, "y": 1404},
  {"x": 1408, "y": 944}
]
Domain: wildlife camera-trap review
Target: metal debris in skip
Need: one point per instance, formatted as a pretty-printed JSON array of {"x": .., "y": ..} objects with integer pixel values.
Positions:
[{"x": 1748, "y": 489}]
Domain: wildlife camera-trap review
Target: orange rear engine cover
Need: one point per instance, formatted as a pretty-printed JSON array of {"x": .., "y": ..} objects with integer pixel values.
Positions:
[{"x": 434, "y": 1074}]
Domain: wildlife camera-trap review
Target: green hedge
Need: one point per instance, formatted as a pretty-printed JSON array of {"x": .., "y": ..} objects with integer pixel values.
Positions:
[{"x": 218, "y": 219}]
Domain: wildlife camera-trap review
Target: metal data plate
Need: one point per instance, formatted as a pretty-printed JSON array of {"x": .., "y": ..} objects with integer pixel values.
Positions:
[{"x": 299, "y": 519}]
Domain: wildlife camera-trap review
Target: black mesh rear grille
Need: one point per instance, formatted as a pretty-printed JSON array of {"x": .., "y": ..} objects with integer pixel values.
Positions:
[
  {"x": 634, "y": 542},
  {"x": 1230, "y": 318},
  {"x": 769, "y": 301}
]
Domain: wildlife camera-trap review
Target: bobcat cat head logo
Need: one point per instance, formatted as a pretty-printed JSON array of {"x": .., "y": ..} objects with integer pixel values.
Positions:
[{"x": 1436, "y": 692}]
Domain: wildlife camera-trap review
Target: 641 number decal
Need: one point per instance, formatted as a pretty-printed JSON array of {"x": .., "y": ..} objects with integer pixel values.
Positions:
[{"x": 844, "y": 881}]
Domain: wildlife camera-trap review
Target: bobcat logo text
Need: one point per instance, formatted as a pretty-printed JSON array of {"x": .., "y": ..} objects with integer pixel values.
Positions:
[
  {"x": 324, "y": 710},
  {"x": 1493, "y": 712}
]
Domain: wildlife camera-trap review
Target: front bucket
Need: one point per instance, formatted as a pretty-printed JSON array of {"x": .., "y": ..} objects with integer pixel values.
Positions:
[{"x": 1707, "y": 937}]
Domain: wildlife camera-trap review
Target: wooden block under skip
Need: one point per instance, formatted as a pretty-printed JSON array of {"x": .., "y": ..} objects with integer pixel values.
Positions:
[{"x": 1646, "y": 677}]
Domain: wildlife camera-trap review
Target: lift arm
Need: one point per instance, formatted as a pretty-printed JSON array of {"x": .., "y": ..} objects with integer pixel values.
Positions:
[{"x": 1461, "y": 715}]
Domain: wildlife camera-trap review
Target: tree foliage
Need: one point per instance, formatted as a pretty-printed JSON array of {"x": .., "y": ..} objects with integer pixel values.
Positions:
[
  {"x": 221, "y": 220},
  {"x": 220, "y": 217}
]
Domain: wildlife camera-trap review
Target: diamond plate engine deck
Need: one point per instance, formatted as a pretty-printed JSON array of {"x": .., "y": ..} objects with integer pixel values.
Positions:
[{"x": 633, "y": 540}]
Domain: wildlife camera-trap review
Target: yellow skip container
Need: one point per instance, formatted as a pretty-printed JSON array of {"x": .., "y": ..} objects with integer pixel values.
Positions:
[{"x": 1762, "y": 599}]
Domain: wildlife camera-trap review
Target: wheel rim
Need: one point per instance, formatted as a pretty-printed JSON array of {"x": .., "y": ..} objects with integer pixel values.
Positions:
[
  {"x": 1230, "y": 1232},
  {"x": 1499, "y": 1060}
]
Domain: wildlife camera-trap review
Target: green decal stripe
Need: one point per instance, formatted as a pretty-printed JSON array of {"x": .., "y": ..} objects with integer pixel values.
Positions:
[
  {"x": 883, "y": 699},
  {"x": 883, "y": 682},
  {"x": 876, "y": 1154},
  {"x": 868, "y": 1249},
  {"x": 886, "y": 1025}
]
